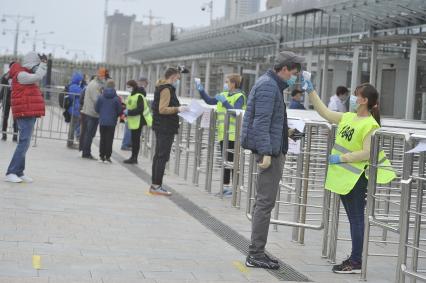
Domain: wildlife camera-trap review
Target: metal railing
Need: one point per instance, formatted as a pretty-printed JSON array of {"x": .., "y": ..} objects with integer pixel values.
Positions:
[{"x": 412, "y": 226}]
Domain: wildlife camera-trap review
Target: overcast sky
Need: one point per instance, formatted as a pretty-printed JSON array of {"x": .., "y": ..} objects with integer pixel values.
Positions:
[{"x": 78, "y": 24}]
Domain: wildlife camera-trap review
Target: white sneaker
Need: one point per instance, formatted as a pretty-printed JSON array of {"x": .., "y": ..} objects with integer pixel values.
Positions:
[
  {"x": 13, "y": 178},
  {"x": 26, "y": 179}
]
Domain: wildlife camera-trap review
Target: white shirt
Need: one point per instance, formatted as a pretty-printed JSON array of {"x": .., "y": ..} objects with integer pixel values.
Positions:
[{"x": 337, "y": 105}]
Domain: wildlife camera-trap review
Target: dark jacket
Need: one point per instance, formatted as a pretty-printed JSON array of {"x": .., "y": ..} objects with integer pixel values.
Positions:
[
  {"x": 166, "y": 124},
  {"x": 265, "y": 129},
  {"x": 108, "y": 106},
  {"x": 294, "y": 104}
]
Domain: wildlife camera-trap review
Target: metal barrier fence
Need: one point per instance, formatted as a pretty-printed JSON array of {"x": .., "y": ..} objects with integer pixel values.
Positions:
[
  {"x": 412, "y": 226},
  {"x": 53, "y": 124}
]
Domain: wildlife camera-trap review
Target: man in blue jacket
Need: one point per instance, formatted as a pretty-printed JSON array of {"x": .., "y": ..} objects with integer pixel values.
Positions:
[
  {"x": 265, "y": 133},
  {"x": 74, "y": 90}
]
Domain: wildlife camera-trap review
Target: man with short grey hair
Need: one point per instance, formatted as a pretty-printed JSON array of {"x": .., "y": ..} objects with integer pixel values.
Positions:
[{"x": 265, "y": 133}]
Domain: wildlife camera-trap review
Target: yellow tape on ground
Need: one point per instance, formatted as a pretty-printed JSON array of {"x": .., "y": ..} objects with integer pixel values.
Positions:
[
  {"x": 36, "y": 262},
  {"x": 240, "y": 266}
]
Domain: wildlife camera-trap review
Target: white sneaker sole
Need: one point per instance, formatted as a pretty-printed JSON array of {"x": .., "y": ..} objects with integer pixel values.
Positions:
[{"x": 356, "y": 271}]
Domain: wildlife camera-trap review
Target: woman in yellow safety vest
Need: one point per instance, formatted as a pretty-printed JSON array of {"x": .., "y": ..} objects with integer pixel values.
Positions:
[
  {"x": 138, "y": 115},
  {"x": 349, "y": 159},
  {"x": 230, "y": 98}
]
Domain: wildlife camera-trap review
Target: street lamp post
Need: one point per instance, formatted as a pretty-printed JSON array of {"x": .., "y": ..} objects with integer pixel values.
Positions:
[
  {"x": 36, "y": 34},
  {"x": 18, "y": 19},
  {"x": 209, "y": 7}
]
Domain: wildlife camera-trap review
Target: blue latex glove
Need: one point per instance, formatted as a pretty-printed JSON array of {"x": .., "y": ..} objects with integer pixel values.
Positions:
[
  {"x": 220, "y": 97},
  {"x": 334, "y": 159},
  {"x": 125, "y": 112},
  {"x": 307, "y": 86},
  {"x": 199, "y": 87}
]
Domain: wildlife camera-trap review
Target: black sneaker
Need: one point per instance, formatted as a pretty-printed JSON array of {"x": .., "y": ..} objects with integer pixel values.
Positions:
[
  {"x": 347, "y": 267},
  {"x": 15, "y": 138},
  {"x": 108, "y": 160},
  {"x": 131, "y": 161},
  {"x": 271, "y": 259},
  {"x": 90, "y": 157},
  {"x": 4, "y": 137},
  {"x": 261, "y": 262}
]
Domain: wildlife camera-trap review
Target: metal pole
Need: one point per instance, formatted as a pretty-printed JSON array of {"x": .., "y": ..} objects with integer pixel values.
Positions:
[
  {"x": 15, "y": 48},
  {"x": 324, "y": 84},
  {"x": 210, "y": 151},
  {"x": 373, "y": 64},
  {"x": 411, "y": 85},
  {"x": 372, "y": 187},
  {"x": 418, "y": 217},
  {"x": 355, "y": 68}
]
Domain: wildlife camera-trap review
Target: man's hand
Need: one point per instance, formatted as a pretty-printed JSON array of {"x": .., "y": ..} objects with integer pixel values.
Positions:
[
  {"x": 43, "y": 57},
  {"x": 266, "y": 162}
]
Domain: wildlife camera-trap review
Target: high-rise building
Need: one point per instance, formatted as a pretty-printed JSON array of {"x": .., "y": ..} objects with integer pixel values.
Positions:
[
  {"x": 125, "y": 34},
  {"x": 270, "y": 4},
  {"x": 118, "y": 37},
  {"x": 235, "y": 9}
]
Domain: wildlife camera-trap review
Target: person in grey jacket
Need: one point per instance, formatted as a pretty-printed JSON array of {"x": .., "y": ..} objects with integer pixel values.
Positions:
[
  {"x": 91, "y": 117},
  {"x": 265, "y": 133}
]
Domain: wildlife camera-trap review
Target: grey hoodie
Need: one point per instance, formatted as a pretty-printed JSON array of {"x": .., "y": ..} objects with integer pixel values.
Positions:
[{"x": 29, "y": 61}]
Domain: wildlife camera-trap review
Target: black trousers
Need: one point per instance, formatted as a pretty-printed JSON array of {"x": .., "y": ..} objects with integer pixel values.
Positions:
[
  {"x": 227, "y": 173},
  {"x": 82, "y": 131},
  {"x": 6, "y": 112},
  {"x": 163, "y": 148},
  {"x": 136, "y": 142},
  {"x": 107, "y": 138}
]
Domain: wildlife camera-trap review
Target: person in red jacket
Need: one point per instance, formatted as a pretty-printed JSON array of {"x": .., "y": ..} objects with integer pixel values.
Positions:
[{"x": 27, "y": 106}]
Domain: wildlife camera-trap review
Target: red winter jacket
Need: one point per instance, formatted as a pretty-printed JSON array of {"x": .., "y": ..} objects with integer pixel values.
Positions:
[{"x": 27, "y": 99}]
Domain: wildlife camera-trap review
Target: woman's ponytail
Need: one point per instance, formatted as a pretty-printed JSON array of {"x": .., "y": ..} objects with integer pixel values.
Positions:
[{"x": 370, "y": 92}]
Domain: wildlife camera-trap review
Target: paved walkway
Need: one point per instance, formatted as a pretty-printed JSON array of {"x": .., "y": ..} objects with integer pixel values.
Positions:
[{"x": 93, "y": 222}]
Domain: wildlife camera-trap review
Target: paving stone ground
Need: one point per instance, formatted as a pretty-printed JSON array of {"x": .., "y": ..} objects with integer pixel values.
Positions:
[{"x": 93, "y": 222}]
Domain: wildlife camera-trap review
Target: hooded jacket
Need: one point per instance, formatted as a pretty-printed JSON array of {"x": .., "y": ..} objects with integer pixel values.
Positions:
[
  {"x": 108, "y": 106},
  {"x": 27, "y": 99},
  {"x": 74, "y": 94}
]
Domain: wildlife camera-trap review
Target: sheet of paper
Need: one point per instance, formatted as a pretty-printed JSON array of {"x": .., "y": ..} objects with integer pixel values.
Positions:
[
  {"x": 205, "y": 119},
  {"x": 294, "y": 146},
  {"x": 421, "y": 147},
  {"x": 195, "y": 111}
]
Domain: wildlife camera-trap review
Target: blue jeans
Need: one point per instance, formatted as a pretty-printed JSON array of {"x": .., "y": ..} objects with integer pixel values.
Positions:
[
  {"x": 127, "y": 138},
  {"x": 17, "y": 164},
  {"x": 354, "y": 203},
  {"x": 91, "y": 128}
]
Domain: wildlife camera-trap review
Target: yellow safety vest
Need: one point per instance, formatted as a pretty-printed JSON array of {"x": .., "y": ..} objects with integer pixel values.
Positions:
[
  {"x": 221, "y": 111},
  {"x": 342, "y": 177},
  {"x": 133, "y": 122}
]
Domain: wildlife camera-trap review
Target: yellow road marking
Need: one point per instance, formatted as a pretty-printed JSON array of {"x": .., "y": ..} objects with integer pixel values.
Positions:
[
  {"x": 240, "y": 266},
  {"x": 36, "y": 262}
]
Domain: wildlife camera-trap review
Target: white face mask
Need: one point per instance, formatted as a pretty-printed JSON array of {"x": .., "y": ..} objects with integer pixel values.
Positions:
[
  {"x": 353, "y": 104},
  {"x": 225, "y": 87},
  {"x": 129, "y": 89}
]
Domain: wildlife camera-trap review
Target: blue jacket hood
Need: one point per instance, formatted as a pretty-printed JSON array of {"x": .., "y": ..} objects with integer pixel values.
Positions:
[
  {"x": 109, "y": 93},
  {"x": 76, "y": 78}
]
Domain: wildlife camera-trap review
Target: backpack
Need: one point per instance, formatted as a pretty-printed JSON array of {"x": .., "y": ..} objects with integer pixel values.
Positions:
[{"x": 64, "y": 100}]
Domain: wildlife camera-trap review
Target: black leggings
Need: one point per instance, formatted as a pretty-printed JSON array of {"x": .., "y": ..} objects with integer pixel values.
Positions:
[
  {"x": 163, "y": 148},
  {"x": 107, "y": 138},
  {"x": 227, "y": 173},
  {"x": 136, "y": 142}
]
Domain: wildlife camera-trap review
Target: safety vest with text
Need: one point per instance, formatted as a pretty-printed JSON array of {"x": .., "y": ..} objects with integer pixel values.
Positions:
[
  {"x": 133, "y": 122},
  {"x": 221, "y": 111},
  {"x": 342, "y": 177}
]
